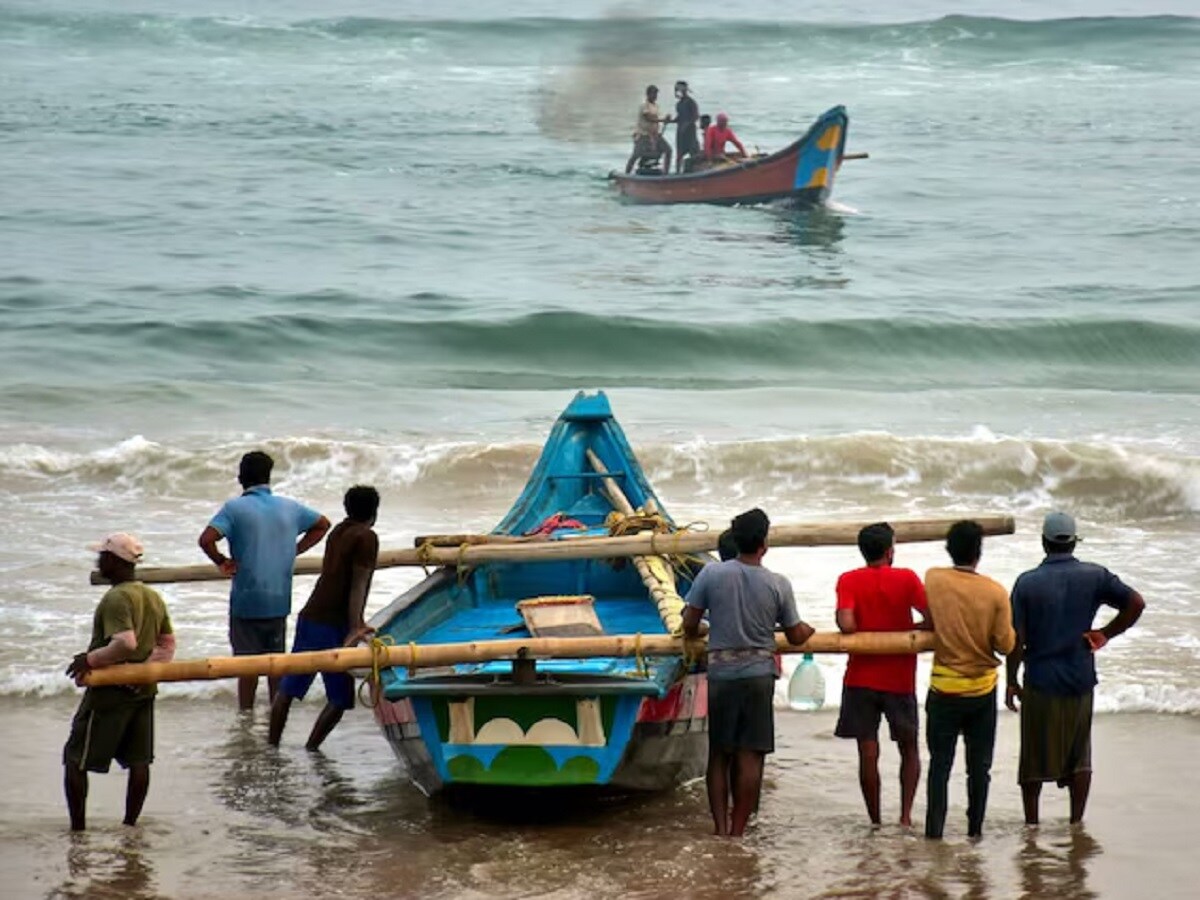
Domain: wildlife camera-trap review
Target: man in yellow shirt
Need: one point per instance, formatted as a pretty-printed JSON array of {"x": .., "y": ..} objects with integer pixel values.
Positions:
[{"x": 972, "y": 622}]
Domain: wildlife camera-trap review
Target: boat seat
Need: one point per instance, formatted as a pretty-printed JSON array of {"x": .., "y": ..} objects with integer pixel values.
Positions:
[{"x": 561, "y": 616}]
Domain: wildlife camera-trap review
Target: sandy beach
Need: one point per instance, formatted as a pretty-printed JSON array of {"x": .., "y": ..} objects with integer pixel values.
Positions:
[{"x": 229, "y": 817}]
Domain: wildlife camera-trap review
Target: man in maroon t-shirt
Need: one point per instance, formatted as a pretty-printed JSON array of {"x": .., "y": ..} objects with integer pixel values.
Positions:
[{"x": 878, "y": 597}]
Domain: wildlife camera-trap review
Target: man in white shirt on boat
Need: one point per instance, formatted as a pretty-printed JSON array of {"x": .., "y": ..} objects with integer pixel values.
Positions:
[{"x": 648, "y": 142}]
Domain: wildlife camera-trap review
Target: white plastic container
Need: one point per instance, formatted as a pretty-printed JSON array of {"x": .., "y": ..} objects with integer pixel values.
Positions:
[{"x": 806, "y": 689}]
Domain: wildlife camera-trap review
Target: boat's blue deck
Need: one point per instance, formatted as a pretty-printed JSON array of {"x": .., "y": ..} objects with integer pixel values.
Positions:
[{"x": 499, "y": 620}]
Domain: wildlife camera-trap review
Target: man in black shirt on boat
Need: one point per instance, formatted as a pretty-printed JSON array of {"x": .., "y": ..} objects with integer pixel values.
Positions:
[{"x": 687, "y": 113}]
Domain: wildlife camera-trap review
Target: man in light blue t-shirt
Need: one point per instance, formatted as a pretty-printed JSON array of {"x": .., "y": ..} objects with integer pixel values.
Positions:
[
  {"x": 745, "y": 601},
  {"x": 261, "y": 530}
]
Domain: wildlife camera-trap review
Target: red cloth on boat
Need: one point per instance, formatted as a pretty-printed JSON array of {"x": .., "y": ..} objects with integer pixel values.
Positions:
[{"x": 554, "y": 523}]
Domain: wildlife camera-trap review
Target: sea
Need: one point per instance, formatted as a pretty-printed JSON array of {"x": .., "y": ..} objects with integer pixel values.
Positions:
[{"x": 377, "y": 239}]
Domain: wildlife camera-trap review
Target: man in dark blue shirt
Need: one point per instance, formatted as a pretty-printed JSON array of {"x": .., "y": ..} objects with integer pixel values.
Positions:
[{"x": 1054, "y": 608}]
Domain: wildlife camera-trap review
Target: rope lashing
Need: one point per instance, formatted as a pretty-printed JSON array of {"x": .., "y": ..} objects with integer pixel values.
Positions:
[{"x": 379, "y": 654}]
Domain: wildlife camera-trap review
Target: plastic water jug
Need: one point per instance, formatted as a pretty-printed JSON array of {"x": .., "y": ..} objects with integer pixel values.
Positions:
[{"x": 806, "y": 690}]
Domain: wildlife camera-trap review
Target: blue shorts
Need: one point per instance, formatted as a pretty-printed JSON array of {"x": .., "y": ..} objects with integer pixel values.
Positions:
[{"x": 339, "y": 686}]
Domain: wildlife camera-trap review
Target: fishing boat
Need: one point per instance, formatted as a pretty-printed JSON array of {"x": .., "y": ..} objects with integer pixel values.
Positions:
[
  {"x": 802, "y": 173},
  {"x": 624, "y": 723}
]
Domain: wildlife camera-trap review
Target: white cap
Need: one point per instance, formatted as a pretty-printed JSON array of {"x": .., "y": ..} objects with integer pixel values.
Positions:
[{"x": 120, "y": 544}]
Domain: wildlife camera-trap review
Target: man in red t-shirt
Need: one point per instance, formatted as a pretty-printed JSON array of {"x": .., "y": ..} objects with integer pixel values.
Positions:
[
  {"x": 717, "y": 136},
  {"x": 878, "y": 597}
]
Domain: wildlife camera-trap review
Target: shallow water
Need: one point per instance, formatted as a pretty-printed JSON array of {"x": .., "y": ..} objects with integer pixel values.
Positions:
[{"x": 227, "y": 816}]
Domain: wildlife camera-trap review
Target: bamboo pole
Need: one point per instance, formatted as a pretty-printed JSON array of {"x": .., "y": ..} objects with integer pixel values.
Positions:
[
  {"x": 677, "y": 543},
  {"x": 417, "y": 655},
  {"x": 655, "y": 571}
]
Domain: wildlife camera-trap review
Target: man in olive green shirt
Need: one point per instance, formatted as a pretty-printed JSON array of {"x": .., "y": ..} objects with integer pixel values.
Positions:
[{"x": 130, "y": 625}]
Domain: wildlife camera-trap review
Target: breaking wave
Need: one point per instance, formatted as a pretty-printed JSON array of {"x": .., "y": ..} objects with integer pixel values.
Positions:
[{"x": 1111, "y": 479}]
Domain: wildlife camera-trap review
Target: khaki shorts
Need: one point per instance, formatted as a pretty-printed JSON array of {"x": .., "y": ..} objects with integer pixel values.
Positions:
[
  {"x": 111, "y": 723},
  {"x": 1056, "y": 736}
]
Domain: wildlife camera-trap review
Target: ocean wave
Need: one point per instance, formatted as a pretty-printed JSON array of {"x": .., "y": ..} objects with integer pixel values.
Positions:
[
  {"x": 31, "y": 684},
  {"x": 969, "y": 34},
  {"x": 563, "y": 349},
  {"x": 26, "y": 682},
  {"x": 1103, "y": 479}
]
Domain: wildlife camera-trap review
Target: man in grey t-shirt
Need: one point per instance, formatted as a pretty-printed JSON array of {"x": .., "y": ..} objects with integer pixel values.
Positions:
[{"x": 744, "y": 602}]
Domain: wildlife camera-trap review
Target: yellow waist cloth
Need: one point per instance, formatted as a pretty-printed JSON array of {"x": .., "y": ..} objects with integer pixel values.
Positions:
[{"x": 945, "y": 680}]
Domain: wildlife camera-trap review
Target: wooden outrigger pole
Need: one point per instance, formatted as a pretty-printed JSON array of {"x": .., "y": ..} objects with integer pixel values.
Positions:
[
  {"x": 646, "y": 548},
  {"x": 380, "y": 655},
  {"x": 676, "y": 543}
]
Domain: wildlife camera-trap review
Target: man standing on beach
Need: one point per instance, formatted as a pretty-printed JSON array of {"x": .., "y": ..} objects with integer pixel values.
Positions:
[
  {"x": 744, "y": 601},
  {"x": 972, "y": 622},
  {"x": 261, "y": 530},
  {"x": 1054, "y": 611},
  {"x": 879, "y": 597},
  {"x": 333, "y": 616},
  {"x": 116, "y": 722}
]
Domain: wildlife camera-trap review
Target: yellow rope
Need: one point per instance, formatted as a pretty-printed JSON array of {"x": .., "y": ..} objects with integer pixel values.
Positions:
[
  {"x": 642, "y": 670},
  {"x": 379, "y": 654},
  {"x": 412, "y": 658},
  {"x": 461, "y": 566},
  {"x": 425, "y": 556}
]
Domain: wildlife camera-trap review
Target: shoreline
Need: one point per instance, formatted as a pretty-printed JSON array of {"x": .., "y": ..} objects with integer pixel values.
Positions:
[{"x": 227, "y": 815}]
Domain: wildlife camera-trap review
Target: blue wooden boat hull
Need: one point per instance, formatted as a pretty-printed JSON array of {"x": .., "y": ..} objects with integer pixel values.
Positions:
[{"x": 622, "y": 723}]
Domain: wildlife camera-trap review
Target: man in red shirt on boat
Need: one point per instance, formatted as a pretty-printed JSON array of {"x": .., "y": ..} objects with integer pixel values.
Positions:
[
  {"x": 879, "y": 597},
  {"x": 717, "y": 136}
]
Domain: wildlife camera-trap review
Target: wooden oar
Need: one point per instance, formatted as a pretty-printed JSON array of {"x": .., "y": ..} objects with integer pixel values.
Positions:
[
  {"x": 346, "y": 658},
  {"x": 645, "y": 544}
]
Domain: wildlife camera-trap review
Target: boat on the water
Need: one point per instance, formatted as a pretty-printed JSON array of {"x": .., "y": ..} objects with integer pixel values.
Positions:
[
  {"x": 623, "y": 723},
  {"x": 802, "y": 173}
]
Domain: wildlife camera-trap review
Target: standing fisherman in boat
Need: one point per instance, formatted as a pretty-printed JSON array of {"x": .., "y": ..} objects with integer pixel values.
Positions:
[
  {"x": 687, "y": 113},
  {"x": 648, "y": 142},
  {"x": 744, "y": 601}
]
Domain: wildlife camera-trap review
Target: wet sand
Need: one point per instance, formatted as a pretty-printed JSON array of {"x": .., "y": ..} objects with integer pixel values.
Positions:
[{"x": 229, "y": 817}]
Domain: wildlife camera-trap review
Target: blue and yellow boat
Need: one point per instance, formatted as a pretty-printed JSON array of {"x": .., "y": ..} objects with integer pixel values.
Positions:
[
  {"x": 801, "y": 174},
  {"x": 625, "y": 723}
]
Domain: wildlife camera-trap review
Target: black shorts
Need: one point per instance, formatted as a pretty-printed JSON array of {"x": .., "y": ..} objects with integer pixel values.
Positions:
[
  {"x": 741, "y": 714},
  {"x": 862, "y": 707},
  {"x": 111, "y": 723},
  {"x": 251, "y": 636}
]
